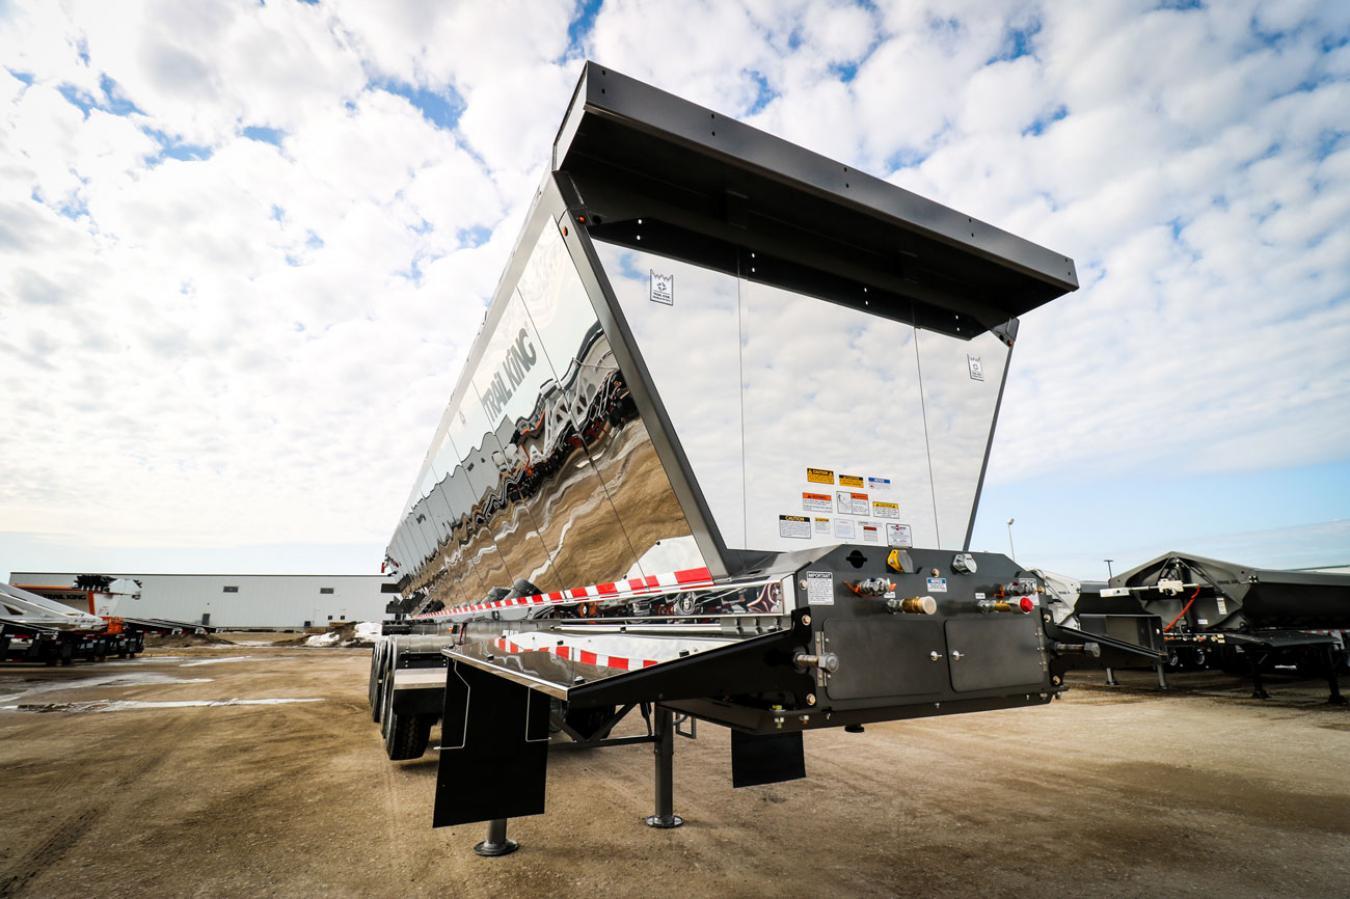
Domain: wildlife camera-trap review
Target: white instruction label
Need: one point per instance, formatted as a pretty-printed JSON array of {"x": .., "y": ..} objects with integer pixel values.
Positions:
[
  {"x": 819, "y": 588},
  {"x": 822, "y": 527},
  {"x": 843, "y": 529},
  {"x": 879, "y": 485},
  {"x": 976, "y": 368},
  {"x": 1223, "y": 605},
  {"x": 851, "y": 503},
  {"x": 937, "y": 585},
  {"x": 795, "y": 526},
  {"x": 899, "y": 535},
  {"x": 662, "y": 288},
  {"x": 871, "y": 533}
]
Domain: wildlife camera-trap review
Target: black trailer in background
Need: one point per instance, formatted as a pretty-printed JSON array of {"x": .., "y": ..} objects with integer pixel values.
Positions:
[{"x": 1208, "y": 614}]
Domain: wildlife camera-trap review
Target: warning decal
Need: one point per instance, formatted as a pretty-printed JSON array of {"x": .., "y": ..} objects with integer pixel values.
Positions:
[
  {"x": 899, "y": 535},
  {"x": 851, "y": 503},
  {"x": 820, "y": 476},
  {"x": 871, "y": 533},
  {"x": 843, "y": 529},
  {"x": 878, "y": 484},
  {"x": 822, "y": 527},
  {"x": 848, "y": 480},
  {"x": 795, "y": 526},
  {"x": 819, "y": 588},
  {"x": 885, "y": 510},
  {"x": 816, "y": 502}
]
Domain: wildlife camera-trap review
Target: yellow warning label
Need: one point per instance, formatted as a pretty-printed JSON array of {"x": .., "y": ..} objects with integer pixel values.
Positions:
[
  {"x": 848, "y": 480},
  {"x": 822, "y": 476},
  {"x": 885, "y": 510}
]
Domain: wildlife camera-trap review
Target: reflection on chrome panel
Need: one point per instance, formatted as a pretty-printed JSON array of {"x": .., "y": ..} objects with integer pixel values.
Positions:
[{"x": 554, "y": 481}]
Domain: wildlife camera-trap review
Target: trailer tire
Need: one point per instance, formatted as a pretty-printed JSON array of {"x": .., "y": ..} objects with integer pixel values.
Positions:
[
  {"x": 387, "y": 700},
  {"x": 407, "y": 736},
  {"x": 376, "y": 681}
]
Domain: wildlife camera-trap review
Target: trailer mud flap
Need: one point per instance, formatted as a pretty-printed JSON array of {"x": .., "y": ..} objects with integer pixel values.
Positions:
[
  {"x": 494, "y": 749},
  {"x": 766, "y": 758}
]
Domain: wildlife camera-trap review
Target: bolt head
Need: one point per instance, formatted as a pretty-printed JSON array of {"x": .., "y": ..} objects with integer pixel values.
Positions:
[{"x": 810, "y": 699}]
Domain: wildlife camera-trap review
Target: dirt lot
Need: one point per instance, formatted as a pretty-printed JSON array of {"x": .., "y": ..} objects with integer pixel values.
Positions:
[{"x": 1106, "y": 793}]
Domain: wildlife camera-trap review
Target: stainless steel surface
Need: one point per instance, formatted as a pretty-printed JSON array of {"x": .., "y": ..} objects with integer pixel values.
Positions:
[
  {"x": 554, "y": 656},
  {"x": 542, "y": 470},
  {"x": 693, "y": 354},
  {"x": 959, "y": 414},
  {"x": 633, "y": 500},
  {"x": 763, "y": 383}
]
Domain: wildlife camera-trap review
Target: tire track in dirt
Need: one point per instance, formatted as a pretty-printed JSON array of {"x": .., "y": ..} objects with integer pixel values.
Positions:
[{"x": 71, "y": 829}]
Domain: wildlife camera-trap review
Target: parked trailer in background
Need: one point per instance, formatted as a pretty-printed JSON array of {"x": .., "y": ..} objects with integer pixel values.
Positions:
[
  {"x": 35, "y": 628},
  {"x": 715, "y": 456},
  {"x": 1200, "y": 613}
]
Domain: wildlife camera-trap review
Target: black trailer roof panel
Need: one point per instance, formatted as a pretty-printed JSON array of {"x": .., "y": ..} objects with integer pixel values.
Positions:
[{"x": 619, "y": 131}]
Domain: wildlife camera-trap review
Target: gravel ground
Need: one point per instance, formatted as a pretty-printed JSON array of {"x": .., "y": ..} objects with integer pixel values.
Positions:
[{"x": 1109, "y": 792}]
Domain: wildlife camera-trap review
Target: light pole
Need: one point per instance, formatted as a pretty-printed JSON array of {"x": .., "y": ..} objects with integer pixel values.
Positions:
[
  {"x": 1108, "y": 568},
  {"x": 1011, "y": 552}
]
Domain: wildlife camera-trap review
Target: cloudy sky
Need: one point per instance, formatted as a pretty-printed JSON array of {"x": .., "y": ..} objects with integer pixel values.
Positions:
[{"x": 244, "y": 247}]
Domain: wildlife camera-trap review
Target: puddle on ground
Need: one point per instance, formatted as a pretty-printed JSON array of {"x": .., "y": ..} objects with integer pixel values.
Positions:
[
  {"x": 130, "y": 705},
  {"x": 103, "y": 680},
  {"x": 223, "y": 660}
]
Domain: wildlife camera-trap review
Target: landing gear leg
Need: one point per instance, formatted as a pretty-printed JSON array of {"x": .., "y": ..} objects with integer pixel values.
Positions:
[
  {"x": 496, "y": 843},
  {"x": 664, "y": 750},
  {"x": 1162, "y": 676},
  {"x": 1334, "y": 678},
  {"x": 1258, "y": 685},
  {"x": 1111, "y": 678}
]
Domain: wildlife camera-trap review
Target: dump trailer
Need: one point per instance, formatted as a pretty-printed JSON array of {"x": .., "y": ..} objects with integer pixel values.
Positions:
[
  {"x": 34, "y": 628},
  {"x": 1126, "y": 639},
  {"x": 715, "y": 456},
  {"x": 101, "y": 595},
  {"x": 1204, "y": 613}
]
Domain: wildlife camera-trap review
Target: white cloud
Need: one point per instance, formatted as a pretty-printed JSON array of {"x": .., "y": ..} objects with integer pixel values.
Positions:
[{"x": 254, "y": 346}]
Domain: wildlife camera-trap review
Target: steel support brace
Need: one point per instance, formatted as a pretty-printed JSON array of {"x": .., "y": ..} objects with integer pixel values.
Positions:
[{"x": 664, "y": 752}]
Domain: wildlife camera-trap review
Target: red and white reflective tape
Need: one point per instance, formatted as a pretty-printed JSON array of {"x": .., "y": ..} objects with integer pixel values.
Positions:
[
  {"x": 633, "y": 586},
  {"x": 575, "y": 654}
]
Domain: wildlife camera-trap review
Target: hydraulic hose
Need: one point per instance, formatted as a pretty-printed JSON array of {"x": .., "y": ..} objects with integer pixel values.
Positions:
[{"x": 1184, "y": 609}]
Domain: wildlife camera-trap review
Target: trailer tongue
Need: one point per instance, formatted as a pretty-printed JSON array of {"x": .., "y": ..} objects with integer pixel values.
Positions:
[{"x": 715, "y": 353}]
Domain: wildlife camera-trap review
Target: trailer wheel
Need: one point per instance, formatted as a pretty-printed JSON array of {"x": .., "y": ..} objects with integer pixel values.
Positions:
[
  {"x": 387, "y": 700},
  {"x": 588, "y": 722},
  {"x": 383, "y": 675},
  {"x": 407, "y": 736},
  {"x": 376, "y": 681}
]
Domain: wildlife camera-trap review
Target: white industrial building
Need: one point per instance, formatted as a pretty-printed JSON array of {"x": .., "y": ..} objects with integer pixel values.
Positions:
[{"x": 243, "y": 600}]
